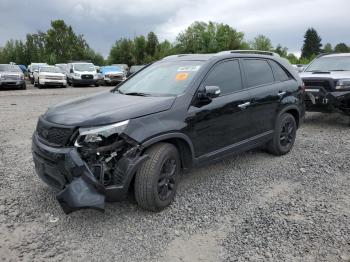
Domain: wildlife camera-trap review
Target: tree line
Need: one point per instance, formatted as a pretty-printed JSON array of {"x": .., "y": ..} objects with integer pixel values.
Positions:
[{"x": 60, "y": 44}]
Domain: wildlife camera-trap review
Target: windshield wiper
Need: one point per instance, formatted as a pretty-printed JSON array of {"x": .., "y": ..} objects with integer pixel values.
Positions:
[
  {"x": 136, "y": 94},
  {"x": 338, "y": 70}
]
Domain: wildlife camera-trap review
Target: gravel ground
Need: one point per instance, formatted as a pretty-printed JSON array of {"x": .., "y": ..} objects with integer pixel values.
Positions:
[{"x": 251, "y": 207}]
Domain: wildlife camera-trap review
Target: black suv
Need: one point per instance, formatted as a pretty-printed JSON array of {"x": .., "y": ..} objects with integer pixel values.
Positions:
[
  {"x": 180, "y": 112},
  {"x": 327, "y": 83}
]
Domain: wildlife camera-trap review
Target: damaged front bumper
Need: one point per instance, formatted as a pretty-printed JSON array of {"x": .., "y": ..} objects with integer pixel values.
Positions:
[
  {"x": 65, "y": 170},
  {"x": 321, "y": 100}
]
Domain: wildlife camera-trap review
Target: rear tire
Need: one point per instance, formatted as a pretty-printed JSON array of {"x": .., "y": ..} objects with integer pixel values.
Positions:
[
  {"x": 157, "y": 179},
  {"x": 284, "y": 135}
]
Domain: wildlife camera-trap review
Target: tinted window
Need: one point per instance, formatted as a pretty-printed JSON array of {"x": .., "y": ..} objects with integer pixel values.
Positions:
[
  {"x": 258, "y": 72},
  {"x": 227, "y": 76},
  {"x": 280, "y": 74}
]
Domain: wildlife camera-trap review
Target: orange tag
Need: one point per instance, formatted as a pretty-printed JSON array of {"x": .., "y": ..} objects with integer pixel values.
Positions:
[{"x": 181, "y": 76}]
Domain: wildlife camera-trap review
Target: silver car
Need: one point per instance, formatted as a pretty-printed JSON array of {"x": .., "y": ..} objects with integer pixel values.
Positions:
[{"x": 11, "y": 76}]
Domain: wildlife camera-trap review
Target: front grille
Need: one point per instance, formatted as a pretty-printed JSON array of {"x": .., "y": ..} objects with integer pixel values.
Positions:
[
  {"x": 52, "y": 134},
  {"x": 54, "y": 77},
  {"x": 317, "y": 84},
  {"x": 10, "y": 77},
  {"x": 87, "y": 76}
]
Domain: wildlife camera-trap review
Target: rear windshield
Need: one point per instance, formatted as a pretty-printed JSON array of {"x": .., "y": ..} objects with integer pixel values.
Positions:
[
  {"x": 333, "y": 63},
  {"x": 162, "y": 78},
  {"x": 10, "y": 68}
]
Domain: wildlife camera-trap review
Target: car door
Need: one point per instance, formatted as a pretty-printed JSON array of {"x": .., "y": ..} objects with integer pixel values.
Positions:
[
  {"x": 226, "y": 119},
  {"x": 266, "y": 94}
]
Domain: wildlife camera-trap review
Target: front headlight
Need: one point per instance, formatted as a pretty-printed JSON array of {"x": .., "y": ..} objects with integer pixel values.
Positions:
[
  {"x": 76, "y": 75},
  {"x": 21, "y": 77},
  {"x": 41, "y": 77},
  {"x": 92, "y": 136},
  {"x": 343, "y": 84}
]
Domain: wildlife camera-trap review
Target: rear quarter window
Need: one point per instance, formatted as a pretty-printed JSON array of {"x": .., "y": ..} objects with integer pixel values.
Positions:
[
  {"x": 258, "y": 72},
  {"x": 280, "y": 73}
]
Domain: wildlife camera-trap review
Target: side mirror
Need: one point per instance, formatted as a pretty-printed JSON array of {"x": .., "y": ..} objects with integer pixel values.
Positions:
[
  {"x": 207, "y": 94},
  {"x": 71, "y": 70},
  {"x": 212, "y": 91}
]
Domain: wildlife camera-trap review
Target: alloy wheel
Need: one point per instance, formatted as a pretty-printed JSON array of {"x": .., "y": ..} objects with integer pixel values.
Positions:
[{"x": 166, "y": 181}]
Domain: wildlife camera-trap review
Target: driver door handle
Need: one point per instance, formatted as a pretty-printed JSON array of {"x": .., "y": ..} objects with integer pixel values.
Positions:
[{"x": 244, "y": 106}]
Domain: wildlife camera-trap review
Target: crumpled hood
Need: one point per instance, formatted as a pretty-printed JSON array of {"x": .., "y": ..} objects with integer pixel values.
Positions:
[
  {"x": 332, "y": 74},
  {"x": 105, "y": 108}
]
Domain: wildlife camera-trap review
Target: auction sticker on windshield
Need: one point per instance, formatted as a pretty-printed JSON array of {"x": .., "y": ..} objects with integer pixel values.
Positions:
[
  {"x": 182, "y": 76},
  {"x": 188, "y": 68}
]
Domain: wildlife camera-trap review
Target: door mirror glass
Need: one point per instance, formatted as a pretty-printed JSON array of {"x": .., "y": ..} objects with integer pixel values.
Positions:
[
  {"x": 212, "y": 91},
  {"x": 71, "y": 70}
]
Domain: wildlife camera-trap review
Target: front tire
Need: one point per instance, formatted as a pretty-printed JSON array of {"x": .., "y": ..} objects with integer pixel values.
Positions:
[
  {"x": 284, "y": 135},
  {"x": 157, "y": 179}
]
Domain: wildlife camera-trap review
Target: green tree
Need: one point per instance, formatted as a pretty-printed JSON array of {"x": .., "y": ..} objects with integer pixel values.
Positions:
[
  {"x": 312, "y": 44},
  {"x": 282, "y": 51},
  {"x": 139, "y": 49},
  {"x": 328, "y": 48},
  {"x": 341, "y": 48},
  {"x": 62, "y": 44},
  {"x": 122, "y": 52},
  {"x": 292, "y": 58},
  {"x": 261, "y": 42},
  {"x": 152, "y": 43},
  {"x": 201, "y": 37}
]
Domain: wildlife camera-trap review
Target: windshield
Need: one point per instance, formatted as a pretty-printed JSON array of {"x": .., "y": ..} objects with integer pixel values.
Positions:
[
  {"x": 10, "y": 68},
  {"x": 84, "y": 67},
  {"x": 333, "y": 63},
  {"x": 162, "y": 79},
  {"x": 50, "y": 69}
]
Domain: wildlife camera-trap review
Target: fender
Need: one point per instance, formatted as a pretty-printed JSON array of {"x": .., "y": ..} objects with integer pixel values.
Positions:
[
  {"x": 289, "y": 107},
  {"x": 171, "y": 135}
]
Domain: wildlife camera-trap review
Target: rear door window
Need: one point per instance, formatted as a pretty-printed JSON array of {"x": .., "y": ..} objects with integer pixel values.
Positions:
[
  {"x": 258, "y": 72},
  {"x": 226, "y": 75}
]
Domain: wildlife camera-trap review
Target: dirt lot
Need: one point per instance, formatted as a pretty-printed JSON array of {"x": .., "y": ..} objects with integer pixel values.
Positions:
[{"x": 251, "y": 207}]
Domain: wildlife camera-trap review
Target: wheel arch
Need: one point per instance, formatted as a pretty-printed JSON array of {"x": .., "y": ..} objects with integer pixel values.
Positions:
[
  {"x": 294, "y": 111},
  {"x": 180, "y": 141}
]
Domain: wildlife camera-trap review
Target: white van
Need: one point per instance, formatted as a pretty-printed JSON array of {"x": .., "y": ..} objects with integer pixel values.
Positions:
[{"x": 82, "y": 73}]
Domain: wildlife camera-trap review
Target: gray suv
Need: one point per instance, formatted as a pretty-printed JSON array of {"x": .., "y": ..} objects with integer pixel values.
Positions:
[
  {"x": 327, "y": 83},
  {"x": 11, "y": 76}
]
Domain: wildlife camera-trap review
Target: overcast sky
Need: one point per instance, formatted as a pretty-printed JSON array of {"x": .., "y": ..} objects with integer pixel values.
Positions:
[{"x": 104, "y": 21}]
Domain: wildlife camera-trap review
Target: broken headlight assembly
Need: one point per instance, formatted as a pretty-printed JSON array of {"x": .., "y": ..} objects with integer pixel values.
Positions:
[
  {"x": 343, "y": 85},
  {"x": 99, "y": 136}
]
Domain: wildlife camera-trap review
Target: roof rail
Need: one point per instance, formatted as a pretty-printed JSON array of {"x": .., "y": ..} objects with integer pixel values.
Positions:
[
  {"x": 178, "y": 55},
  {"x": 259, "y": 52}
]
